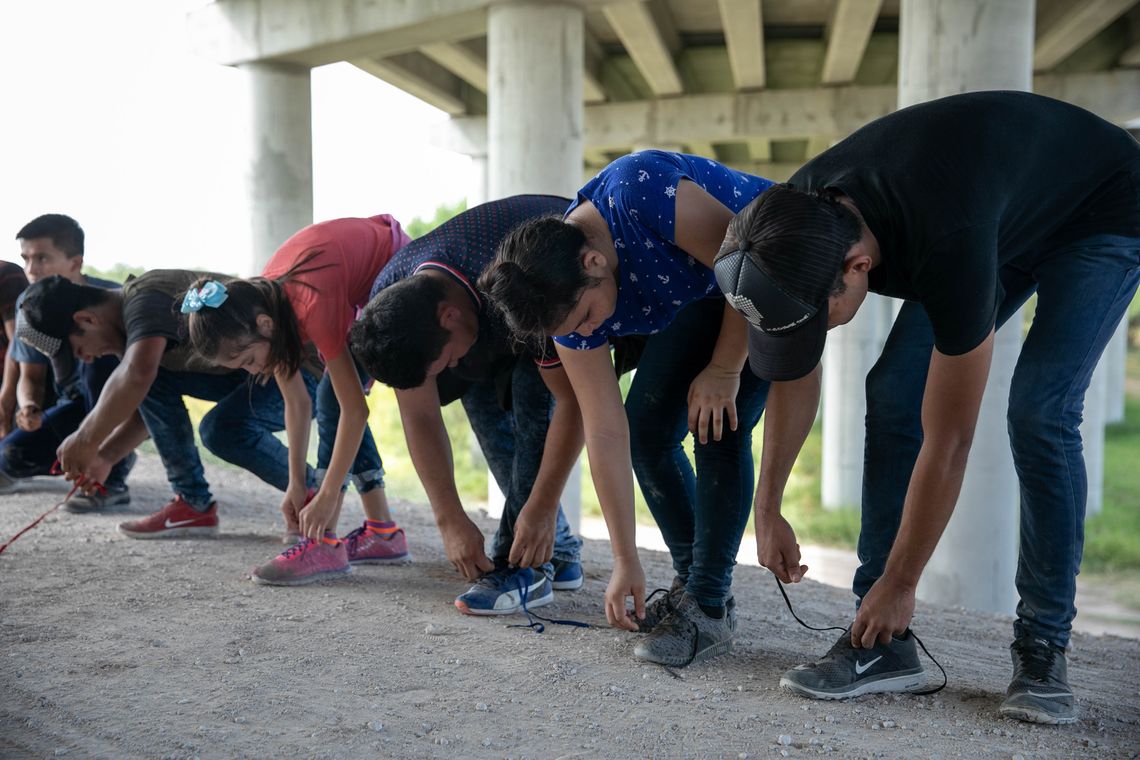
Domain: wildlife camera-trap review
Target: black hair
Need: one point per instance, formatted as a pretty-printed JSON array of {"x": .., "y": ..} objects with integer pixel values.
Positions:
[
  {"x": 50, "y": 304},
  {"x": 537, "y": 276},
  {"x": 801, "y": 239},
  {"x": 398, "y": 334},
  {"x": 236, "y": 318},
  {"x": 63, "y": 231}
]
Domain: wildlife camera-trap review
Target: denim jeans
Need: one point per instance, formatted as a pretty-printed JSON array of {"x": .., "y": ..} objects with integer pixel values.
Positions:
[
  {"x": 239, "y": 429},
  {"x": 367, "y": 471},
  {"x": 512, "y": 444},
  {"x": 701, "y": 515},
  {"x": 25, "y": 455},
  {"x": 1083, "y": 290}
]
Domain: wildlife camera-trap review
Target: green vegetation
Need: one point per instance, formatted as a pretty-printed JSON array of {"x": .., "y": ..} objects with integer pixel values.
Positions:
[
  {"x": 118, "y": 273},
  {"x": 419, "y": 227}
]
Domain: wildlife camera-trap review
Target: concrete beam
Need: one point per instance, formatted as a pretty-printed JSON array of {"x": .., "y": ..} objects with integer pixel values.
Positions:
[
  {"x": 758, "y": 117},
  {"x": 847, "y": 33},
  {"x": 817, "y": 144},
  {"x": 461, "y": 61},
  {"x": 1131, "y": 56},
  {"x": 760, "y": 149},
  {"x": 1072, "y": 25},
  {"x": 701, "y": 148},
  {"x": 650, "y": 39},
  {"x": 743, "y": 24},
  {"x": 419, "y": 77}
]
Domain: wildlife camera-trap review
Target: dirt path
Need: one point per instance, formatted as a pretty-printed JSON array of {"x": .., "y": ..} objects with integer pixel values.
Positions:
[{"x": 121, "y": 649}]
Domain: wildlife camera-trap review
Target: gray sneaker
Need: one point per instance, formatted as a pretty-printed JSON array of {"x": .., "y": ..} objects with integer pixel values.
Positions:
[
  {"x": 849, "y": 672},
  {"x": 660, "y": 605},
  {"x": 1039, "y": 691},
  {"x": 8, "y": 484},
  {"x": 82, "y": 503},
  {"x": 686, "y": 636}
]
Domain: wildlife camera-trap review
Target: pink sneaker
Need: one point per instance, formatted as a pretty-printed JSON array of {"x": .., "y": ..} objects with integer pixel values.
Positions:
[
  {"x": 369, "y": 547},
  {"x": 307, "y": 561}
]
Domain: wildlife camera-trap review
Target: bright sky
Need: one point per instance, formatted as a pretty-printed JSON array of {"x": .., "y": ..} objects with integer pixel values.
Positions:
[{"x": 108, "y": 117}]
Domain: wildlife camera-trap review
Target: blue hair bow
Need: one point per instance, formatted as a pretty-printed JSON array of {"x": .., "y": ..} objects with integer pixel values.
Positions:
[{"x": 212, "y": 294}]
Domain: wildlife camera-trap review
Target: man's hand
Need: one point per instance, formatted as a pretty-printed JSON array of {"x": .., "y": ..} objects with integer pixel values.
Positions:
[
  {"x": 97, "y": 475},
  {"x": 886, "y": 610},
  {"x": 76, "y": 456},
  {"x": 712, "y": 395},
  {"x": 777, "y": 550},
  {"x": 317, "y": 516},
  {"x": 463, "y": 544},
  {"x": 534, "y": 537},
  {"x": 29, "y": 418},
  {"x": 291, "y": 506},
  {"x": 627, "y": 580}
]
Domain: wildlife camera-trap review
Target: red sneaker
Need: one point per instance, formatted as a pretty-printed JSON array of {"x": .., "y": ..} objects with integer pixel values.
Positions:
[{"x": 175, "y": 520}]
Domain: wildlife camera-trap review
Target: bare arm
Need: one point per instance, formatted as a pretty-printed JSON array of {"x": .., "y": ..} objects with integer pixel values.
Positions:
[
  {"x": 298, "y": 422},
  {"x": 953, "y": 397},
  {"x": 591, "y": 375},
  {"x": 788, "y": 417},
  {"x": 125, "y": 439},
  {"x": 430, "y": 450},
  {"x": 8, "y": 383},
  {"x": 535, "y": 528},
  {"x": 31, "y": 387}
]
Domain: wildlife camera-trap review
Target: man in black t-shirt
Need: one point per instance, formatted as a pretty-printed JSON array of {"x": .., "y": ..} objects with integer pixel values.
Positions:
[
  {"x": 430, "y": 334},
  {"x": 964, "y": 207},
  {"x": 142, "y": 325}
]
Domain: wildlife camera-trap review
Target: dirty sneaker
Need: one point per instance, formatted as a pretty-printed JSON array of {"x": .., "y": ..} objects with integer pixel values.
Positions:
[
  {"x": 567, "y": 575},
  {"x": 307, "y": 561},
  {"x": 82, "y": 503},
  {"x": 1039, "y": 691},
  {"x": 503, "y": 591},
  {"x": 660, "y": 605},
  {"x": 368, "y": 545},
  {"x": 849, "y": 672},
  {"x": 686, "y": 636},
  {"x": 176, "y": 520},
  {"x": 8, "y": 484}
]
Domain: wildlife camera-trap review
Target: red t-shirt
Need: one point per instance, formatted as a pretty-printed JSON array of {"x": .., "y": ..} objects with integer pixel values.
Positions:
[{"x": 349, "y": 255}]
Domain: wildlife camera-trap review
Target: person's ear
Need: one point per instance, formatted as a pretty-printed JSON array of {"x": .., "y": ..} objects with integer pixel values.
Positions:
[
  {"x": 86, "y": 319},
  {"x": 857, "y": 262},
  {"x": 74, "y": 265},
  {"x": 448, "y": 315},
  {"x": 265, "y": 326},
  {"x": 594, "y": 262}
]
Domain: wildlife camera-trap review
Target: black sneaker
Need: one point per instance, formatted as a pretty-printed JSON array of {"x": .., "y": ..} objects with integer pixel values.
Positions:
[
  {"x": 660, "y": 605},
  {"x": 688, "y": 635},
  {"x": 82, "y": 503},
  {"x": 849, "y": 672},
  {"x": 1039, "y": 691}
]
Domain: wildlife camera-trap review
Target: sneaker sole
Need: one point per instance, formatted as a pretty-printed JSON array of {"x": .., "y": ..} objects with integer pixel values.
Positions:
[
  {"x": 708, "y": 653},
  {"x": 567, "y": 585},
  {"x": 210, "y": 531},
  {"x": 403, "y": 559},
  {"x": 315, "y": 577},
  {"x": 69, "y": 507},
  {"x": 1029, "y": 715},
  {"x": 906, "y": 682},
  {"x": 539, "y": 602}
]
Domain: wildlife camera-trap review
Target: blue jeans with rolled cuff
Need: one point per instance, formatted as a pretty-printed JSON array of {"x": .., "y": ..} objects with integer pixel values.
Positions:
[
  {"x": 239, "y": 429},
  {"x": 1083, "y": 290},
  {"x": 512, "y": 443},
  {"x": 701, "y": 514}
]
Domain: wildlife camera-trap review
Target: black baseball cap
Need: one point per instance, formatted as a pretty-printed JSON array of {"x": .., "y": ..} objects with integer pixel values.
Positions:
[
  {"x": 786, "y": 332},
  {"x": 48, "y": 309}
]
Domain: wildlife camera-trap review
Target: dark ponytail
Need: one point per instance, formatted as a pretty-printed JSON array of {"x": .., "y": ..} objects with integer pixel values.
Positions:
[{"x": 537, "y": 276}]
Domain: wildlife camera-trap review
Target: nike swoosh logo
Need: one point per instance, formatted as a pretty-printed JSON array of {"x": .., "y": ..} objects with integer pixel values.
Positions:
[
  {"x": 1048, "y": 696},
  {"x": 180, "y": 523},
  {"x": 861, "y": 667}
]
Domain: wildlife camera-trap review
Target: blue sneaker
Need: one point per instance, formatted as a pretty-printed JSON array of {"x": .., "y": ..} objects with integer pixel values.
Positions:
[
  {"x": 567, "y": 575},
  {"x": 506, "y": 590}
]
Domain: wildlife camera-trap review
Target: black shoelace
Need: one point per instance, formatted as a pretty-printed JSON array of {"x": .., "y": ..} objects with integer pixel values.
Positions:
[
  {"x": 1037, "y": 661},
  {"x": 534, "y": 617},
  {"x": 923, "y": 693}
]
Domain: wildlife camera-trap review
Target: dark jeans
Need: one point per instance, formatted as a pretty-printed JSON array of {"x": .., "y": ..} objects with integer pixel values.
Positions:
[
  {"x": 367, "y": 471},
  {"x": 239, "y": 429},
  {"x": 1082, "y": 293},
  {"x": 701, "y": 515},
  {"x": 26, "y": 455},
  {"x": 512, "y": 444}
]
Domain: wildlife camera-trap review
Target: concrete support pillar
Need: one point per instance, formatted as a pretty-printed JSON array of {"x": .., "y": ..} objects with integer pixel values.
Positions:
[
  {"x": 477, "y": 184},
  {"x": 1092, "y": 435},
  {"x": 848, "y": 357},
  {"x": 1115, "y": 356},
  {"x": 534, "y": 123},
  {"x": 947, "y": 47},
  {"x": 281, "y": 157}
]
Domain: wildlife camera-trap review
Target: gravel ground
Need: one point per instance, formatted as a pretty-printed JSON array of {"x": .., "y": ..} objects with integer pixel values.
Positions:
[{"x": 164, "y": 649}]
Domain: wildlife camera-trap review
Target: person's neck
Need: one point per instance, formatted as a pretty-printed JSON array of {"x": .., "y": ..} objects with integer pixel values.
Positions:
[
  {"x": 112, "y": 312},
  {"x": 868, "y": 242},
  {"x": 455, "y": 294},
  {"x": 598, "y": 236},
  {"x": 76, "y": 276}
]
